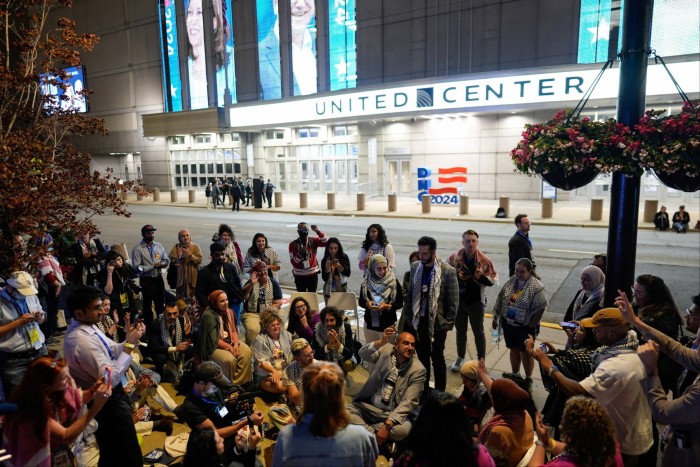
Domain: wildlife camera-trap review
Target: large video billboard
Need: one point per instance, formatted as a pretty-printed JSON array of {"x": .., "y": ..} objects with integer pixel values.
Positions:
[
  {"x": 186, "y": 58},
  {"x": 302, "y": 23},
  {"x": 64, "y": 92},
  {"x": 341, "y": 44}
]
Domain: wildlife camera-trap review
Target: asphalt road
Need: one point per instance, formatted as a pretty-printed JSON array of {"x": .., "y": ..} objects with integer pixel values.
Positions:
[{"x": 560, "y": 252}]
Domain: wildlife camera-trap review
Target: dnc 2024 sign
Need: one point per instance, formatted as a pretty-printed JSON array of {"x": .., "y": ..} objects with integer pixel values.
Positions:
[{"x": 446, "y": 176}]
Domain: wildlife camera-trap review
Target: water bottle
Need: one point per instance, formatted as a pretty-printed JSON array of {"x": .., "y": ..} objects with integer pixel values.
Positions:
[{"x": 495, "y": 337}]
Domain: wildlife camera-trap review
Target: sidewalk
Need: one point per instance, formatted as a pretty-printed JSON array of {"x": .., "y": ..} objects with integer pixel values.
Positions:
[{"x": 564, "y": 213}]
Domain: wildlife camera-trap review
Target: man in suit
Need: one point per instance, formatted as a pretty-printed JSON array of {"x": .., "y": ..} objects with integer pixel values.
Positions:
[{"x": 393, "y": 388}]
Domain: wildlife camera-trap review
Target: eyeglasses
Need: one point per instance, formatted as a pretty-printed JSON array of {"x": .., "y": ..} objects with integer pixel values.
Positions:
[
  {"x": 637, "y": 291},
  {"x": 299, "y": 307}
]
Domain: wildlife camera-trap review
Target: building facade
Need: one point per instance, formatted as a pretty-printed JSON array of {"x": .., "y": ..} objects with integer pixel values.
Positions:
[{"x": 350, "y": 96}]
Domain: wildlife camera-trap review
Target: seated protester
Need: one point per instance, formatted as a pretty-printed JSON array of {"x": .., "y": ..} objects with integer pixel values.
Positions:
[
  {"x": 142, "y": 384},
  {"x": 589, "y": 298},
  {"x": 333, "y": 341},
  {"x": 260, "y": 292},
  {"x": 219, "y": 342},
  {"x": 323, "y": 434},
  {"x": 381, "y": 295},
  {"x": 106, "y": 324},
  {"x": 303, "y": 357},
  {"x": 474, "y": 398},
  {"x": 117, "y": 281},
  {"x": 206, "y": 447},
  {"x": 451, "y": 444},
  {"x": 574, "y": 362},
  {"x": 302, "y": 319},
  {"x": 169, "y": 343},
  {"x": 681, "y": 220},
  {"x": 393, "y": 388},
  {"x": 273, "y": 352},
  {"x": 587, "y": 437},
  {"x": 509, "y": 435},
  {"x": 661, "y": 219},
  {"x": 205, "y": 406}
]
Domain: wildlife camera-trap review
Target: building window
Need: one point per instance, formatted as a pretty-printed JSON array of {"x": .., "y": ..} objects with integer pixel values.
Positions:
[
  {"x": 177, "y": 140},
  {"x": 345, "y": 130},
  {"x": 308, "y": 132},
  {"x": 230, "y": 137},
  {"x": 274, "y": 134},
  {"x": 202, "y": 139}
]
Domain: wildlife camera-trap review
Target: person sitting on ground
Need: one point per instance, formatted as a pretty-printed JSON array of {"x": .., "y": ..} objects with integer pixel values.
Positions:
[
  {"x": 204, "y": 405},
  {"x": 141, "y": 385},
  {"x": 661, "y": 219},
  {"x": 589, "y": 298},
  {"x": 261, "y": 251},
  {"x": 509, "y": 435},
  {"x": 51, "y": 414},
  {"x": 303, "y": 357},
  {"x": 381, "y": 295},
  {"x": 333, "y": 341},
  {"x": 393, "y": 388},
  {"x": 323, "y": 434},
  {"x": 273, "y": 352},
  {"x": 452, "y": 444},
  {"x": 475, "y": 397},
  {"x": 109, "y": 325},
  {"x": 587, "y": 437},
  {"x": 219, "y": 341},
  {"x": 206, "y": 447},
  {"x": 169, "y": 343},
  {"x": 681, "y": 220},
  {"x": 302, "y": 319},
  {"x": 681, "y": 414},
  {"x": 260, "y": 292}
]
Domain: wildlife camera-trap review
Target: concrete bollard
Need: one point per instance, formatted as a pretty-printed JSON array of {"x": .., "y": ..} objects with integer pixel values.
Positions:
[
  {"x": 596, "y": 209},
  {"x": 463, "y": 205},
  {"x": 139, "y": 197},
  {"x": 303, "y": 200},
  {"x": 547, "y": 208},
  {"x": 173, "y": 196},
  {"x": 651, "y": 207},
  {"x": 504, "y": 202},
  {"x": 192, "y": 195},
  {"x": 156, "y": 194},
  {"x": 425, "y": 200},
  {"x": 330, "y": 201},
  {"x": 278, "y": 199},
  {"x": 392, "y": 202},
  {"x": 360, "y": 201},
  {"x": 123, "y": 195}
]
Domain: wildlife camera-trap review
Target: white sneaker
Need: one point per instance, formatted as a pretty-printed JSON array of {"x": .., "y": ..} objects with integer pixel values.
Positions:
[{"x": 457, "y": 365}]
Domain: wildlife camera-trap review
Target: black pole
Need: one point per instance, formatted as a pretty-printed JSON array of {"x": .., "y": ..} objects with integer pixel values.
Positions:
[{"x": 624, "y": 194}]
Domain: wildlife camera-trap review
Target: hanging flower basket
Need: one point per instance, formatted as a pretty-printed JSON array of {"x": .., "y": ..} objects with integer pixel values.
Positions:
[
  {"x": 564, "y": 180},
  {"x": 671, "y": 147},
  {"x": 572, "y": 150}
]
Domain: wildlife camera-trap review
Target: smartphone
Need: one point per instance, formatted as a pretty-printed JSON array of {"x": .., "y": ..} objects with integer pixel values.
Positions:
[
  {"x": 544, "y": 348},
  {"x": 108, "y": 375},
  {"x": 568, "y": 325}
]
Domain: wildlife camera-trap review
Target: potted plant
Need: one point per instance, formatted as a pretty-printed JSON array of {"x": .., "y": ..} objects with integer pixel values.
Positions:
[
  {"x": 569, "y": 151},
  {"x": 670, "y": 146}
]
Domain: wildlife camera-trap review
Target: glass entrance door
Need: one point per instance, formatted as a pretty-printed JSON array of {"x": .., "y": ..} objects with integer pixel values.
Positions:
[{"x": 400, "y": 176}]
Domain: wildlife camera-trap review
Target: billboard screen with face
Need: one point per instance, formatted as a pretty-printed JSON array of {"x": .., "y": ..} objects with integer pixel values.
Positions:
[
  {"x": 186, "y": 60},
  {"x": 302, "y": 25}
]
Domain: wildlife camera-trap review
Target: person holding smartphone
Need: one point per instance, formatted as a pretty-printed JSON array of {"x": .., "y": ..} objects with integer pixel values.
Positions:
[{"x": 336, "y": 268}]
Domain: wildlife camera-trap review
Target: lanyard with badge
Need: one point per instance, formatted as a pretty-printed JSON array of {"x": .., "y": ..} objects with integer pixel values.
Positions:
[{"x": 32, "y": 328}]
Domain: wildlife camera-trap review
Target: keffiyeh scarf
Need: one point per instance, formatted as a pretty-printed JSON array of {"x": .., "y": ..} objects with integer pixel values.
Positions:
[
  {"x": 333, "y": 355},
  {"x": 385, "y": 288},
  {"x": 255, "y": 296},
  {"x": 392, "y": 377},
  {"x": 627, "y": 344},
  {"x": 165, "y": 331},
  {"x": 433, "y": 286},
  {"x": 587, "y": 305}
]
